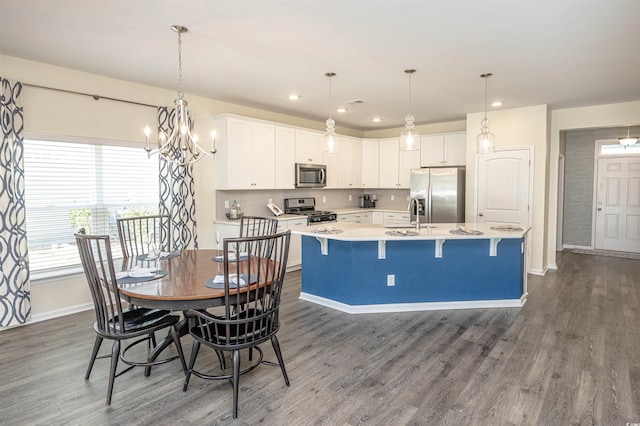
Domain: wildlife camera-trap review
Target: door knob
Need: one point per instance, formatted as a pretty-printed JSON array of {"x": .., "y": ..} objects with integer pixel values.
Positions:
[
  {"x": 480, "y": 214},
  {"x": 599, "y": 208}
]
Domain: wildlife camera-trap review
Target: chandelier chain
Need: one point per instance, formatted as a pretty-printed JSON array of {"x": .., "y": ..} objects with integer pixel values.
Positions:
[{"x": 180, "y": 92}]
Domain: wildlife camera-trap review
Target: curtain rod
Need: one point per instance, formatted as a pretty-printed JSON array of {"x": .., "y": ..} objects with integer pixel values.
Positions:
[{"x": 96, "y": 97}]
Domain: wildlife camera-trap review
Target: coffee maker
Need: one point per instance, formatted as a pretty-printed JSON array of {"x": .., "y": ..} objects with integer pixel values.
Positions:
[{"x": 367, "y": 202}]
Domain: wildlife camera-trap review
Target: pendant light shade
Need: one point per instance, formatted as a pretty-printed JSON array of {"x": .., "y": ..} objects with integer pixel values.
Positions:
[
  {"x": 181, "y": 146},
  {"x": 330, "y": 143},
  {"x": 486, "y": 141},
  {"x": 409, "y": 138},
  {"x": 628, "y": 140}
]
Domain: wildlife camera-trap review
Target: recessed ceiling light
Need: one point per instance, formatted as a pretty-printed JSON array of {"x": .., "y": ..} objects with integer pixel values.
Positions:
[
  {"x": 294, "y": 97},
  {"x": 342, "y": 109},
  {"x": 376, "y": 119},
  {"x": 496, "y": 104}
]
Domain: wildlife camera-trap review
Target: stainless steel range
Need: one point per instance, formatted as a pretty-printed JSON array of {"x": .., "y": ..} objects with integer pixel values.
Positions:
[{"x": 307, "y": 206}]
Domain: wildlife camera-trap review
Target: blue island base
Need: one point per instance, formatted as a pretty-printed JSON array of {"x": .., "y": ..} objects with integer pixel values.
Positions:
[{"x": 353, "y": 278}]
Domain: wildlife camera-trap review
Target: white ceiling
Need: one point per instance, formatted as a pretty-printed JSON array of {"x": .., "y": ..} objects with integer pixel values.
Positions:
[{"x": 564, "y": 53}]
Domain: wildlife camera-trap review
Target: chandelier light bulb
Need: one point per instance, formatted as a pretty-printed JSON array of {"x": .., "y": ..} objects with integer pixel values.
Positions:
[
  {"x": 330, "y": 145},
  {"x": 409, "y": 138}
]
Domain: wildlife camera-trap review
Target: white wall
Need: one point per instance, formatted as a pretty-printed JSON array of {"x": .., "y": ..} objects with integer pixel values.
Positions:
[{"x": 517, "y": 127}]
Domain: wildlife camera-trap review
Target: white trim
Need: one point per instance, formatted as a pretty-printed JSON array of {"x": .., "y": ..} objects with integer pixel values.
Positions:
[
  {"x": 412, "y": 307},
  {"x": 54, "y": 314},
  {"x": 83, "y": 140},
  {"x": 540, "y": 272},
  {"x": 573, "y": 246}
]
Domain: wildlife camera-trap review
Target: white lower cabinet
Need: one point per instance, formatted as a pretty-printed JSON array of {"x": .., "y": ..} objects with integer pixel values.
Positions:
[
  {"x": 396, "y": 218},
  {"x": 295, "y": 244},
  {"x": 377, "y": 218},
  {"x": 354, "y": 218}
]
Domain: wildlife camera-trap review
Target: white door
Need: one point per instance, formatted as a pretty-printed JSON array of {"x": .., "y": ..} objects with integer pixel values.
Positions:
[
  {"x": 618, "y": 205},
  {"x": 503, "y": 187}
]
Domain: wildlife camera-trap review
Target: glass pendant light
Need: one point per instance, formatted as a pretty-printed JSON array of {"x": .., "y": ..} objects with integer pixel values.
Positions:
[
  {"x": 181, "y": 146},
  {"x": 628, "y": 140},
  {"x": 409, "y": 138},
  {"x": 330, "y": 143},
  {"x": 486, "y": 141}
]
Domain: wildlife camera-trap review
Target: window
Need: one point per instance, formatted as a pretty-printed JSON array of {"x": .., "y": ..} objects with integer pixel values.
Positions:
[
  {"x": 618, "y": 149},
  {"x": 73, "y": 185}
]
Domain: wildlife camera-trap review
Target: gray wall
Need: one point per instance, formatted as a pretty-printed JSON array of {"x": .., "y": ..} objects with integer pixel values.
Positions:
[{"x": 578, "y": 184}]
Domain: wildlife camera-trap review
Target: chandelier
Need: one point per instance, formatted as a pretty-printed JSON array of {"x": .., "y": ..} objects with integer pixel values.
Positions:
[
  {"x": 628, "y": 140},
  {"x": 181, "y": 146},
  {"x": 486, "y": 141},
  {"x": 409, "y": 138},
  {"x": 330, "y": 145}
]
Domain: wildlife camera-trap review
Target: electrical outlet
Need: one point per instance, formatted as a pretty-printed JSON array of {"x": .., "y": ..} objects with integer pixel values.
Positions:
[
  {"x": 350, "y": 198},
  {"x": 270, "y": 200},
  {"x": 226, "y": 204},
  {"x": 391, "y": 280},
  {"x": 324, "y": 199},
  {"x": 393, "y": 197}
]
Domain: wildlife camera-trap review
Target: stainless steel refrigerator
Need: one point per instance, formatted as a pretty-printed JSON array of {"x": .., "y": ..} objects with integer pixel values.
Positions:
[{"x": 439, "y": 192}]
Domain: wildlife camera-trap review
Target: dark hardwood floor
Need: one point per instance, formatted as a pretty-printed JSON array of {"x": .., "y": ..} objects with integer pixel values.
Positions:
[{"x": 571, "y": 355}]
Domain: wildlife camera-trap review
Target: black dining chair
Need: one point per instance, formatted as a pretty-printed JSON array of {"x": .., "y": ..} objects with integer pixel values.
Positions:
[
  {"x": 251, "y": 226},
  {"x": 252, "y": 291},
  {"x": 113, "y": 321},
  {"x": 134, "y": 233}
]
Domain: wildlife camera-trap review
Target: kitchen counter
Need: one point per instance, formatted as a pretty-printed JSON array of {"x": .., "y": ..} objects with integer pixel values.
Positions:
[{"x": 363, "y": 269}]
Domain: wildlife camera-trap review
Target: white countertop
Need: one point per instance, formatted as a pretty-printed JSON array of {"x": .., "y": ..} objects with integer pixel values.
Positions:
[
  {"x": 366, "y": 210},
  {"x": 438, "y": 231}
]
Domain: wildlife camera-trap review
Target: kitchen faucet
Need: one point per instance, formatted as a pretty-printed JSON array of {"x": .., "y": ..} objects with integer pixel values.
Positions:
[{"x": 415, "y": 201}]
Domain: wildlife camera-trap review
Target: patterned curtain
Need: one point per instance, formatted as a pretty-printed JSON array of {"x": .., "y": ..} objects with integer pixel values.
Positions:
[
  {"x": 15, "y": 288},
  {"x": 177, "y": 193}
]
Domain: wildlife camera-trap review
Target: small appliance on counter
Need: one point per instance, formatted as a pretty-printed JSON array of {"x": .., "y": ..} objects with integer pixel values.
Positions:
[
  {"x": 307, "y": 206},
  {"x": 367, "y": 202}
]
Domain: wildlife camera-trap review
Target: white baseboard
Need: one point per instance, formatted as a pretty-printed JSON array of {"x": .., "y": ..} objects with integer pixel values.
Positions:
[
  {"x": 571, "y": 247},
  {"x": 60, "y": 312},
  {"x": 411, "y": 307},
  {"x": 539, "y": 271}
]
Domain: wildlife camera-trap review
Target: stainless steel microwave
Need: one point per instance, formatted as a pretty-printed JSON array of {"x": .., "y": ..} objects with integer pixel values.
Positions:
[{"x": 311, "y": 175}]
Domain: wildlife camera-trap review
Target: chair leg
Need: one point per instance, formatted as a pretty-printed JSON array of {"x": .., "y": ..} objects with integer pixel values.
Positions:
[
  {"x": 276, "y": 349},
  {"x": 94, "y": 354},
  {"x": 151, "y": 343},
  {"x": 223, "y": 363},
  {"x": 194, "y": 353},
  {"x": 115, "y": 355},
  {"x": 176, "y": 341},
  {"x": 235, "y": 356}
]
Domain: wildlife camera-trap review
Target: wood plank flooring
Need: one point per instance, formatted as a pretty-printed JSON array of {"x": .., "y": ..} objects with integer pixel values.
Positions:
[{"x": 571, "y": 355}]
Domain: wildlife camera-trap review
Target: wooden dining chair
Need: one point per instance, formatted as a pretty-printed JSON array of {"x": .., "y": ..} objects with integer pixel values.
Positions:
[
  {"x": 113, "y": 322},
  {"x": 134, "y": 233},
  {"x": 251, "y": 313}
]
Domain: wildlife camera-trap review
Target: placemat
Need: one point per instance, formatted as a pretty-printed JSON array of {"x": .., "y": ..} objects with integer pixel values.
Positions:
[
  {"x": 508, "y": 228},
  {"x": 465, "y": 231},
  {"x": 164, "y": 255},
  {"x": 220, "y": 258},
  {"x": 218, "y": 281},
  {"x": 140, "y": 278}
]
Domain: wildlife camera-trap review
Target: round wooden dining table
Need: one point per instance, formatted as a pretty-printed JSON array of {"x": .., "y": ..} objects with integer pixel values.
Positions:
[{"x": 183, "y": 287}]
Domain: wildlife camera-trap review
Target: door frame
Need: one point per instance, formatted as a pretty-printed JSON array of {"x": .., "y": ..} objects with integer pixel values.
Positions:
[
  {"x": 531, "y": 149},
  {"x": 594, "y": 203}
]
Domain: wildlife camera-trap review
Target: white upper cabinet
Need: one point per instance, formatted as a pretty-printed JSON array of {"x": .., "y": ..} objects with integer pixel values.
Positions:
[
  {"x": 285, "y": 158},
  {"x": 349, "y": 163},
  {"x": 395, "y": 165},
  {"x": 370, "y": 166},
  {"x": 449, "y": 149},
  {"x": 246, "y": 154},
  {"x": 308, "y": 147}
]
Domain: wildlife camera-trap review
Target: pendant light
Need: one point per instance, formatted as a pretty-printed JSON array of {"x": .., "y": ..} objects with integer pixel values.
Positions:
[
  {"x": 181, "y": 146},
  {"x": 486, "y": 141},
  {"x": 329, "y": 137},
  {"x": 628, "y": 140},
  {"x": 409, "y": 138}
]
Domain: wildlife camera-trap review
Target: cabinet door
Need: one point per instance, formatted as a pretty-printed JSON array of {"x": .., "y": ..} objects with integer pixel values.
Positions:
[
  {"x": 285, "y": 173},
  {"x": 377, "y": 218},
  {"x": 239, "y": 146},
  {"x": 263, "y": 157},
  {"x": 455, "y": 149},
  {"x": 295, "y": 244},
  {"x": 389, "y": 163},
  {"x": 308, "y": 147},
  {"x": 349, "y": 163},
  {"x": 432, "y": 151},
  {"x": 370, "y": 166},
  {"x": 408, "y": 160},
  {"x": 333, "y": 170}
]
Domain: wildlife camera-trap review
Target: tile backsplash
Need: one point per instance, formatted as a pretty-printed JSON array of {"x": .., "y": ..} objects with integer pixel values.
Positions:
[{"x": 254, "y": 202}]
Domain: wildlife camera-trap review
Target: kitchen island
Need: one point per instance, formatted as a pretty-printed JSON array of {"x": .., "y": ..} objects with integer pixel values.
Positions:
[{"x": 362, "y": 268}]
